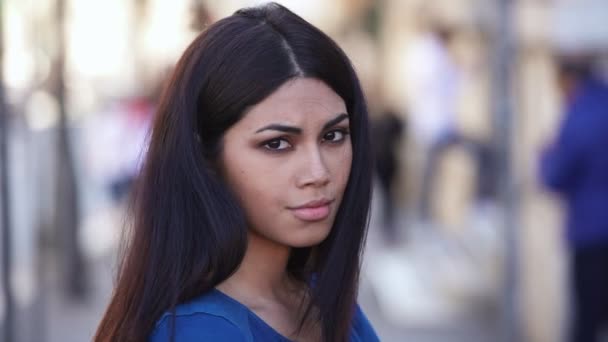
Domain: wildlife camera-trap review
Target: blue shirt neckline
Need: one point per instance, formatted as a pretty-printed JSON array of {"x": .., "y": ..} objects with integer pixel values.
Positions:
[{"x": 250, "y": 312}]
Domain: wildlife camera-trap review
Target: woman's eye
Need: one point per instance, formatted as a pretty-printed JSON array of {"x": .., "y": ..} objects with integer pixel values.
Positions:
[
  {"x": 277, "y": 144},
  {"x": 335, "y": 136}
]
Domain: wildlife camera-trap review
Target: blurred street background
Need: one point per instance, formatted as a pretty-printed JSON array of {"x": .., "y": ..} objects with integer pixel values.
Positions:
[{"x": 465, "y": 242}]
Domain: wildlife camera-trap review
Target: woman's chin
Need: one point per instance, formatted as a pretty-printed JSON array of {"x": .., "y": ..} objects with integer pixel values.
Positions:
[{"x": 308, "y": 241}]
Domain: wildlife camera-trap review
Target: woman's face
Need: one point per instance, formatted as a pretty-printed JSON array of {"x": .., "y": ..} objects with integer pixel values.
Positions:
[{"x": 288, "y": 161}]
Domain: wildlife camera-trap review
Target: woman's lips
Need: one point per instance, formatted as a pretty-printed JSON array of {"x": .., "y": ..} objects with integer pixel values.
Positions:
[{"x": 313, "y": 211}]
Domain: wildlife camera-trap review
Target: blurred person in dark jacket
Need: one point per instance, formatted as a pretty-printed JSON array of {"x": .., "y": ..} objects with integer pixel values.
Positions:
[
  {"x": 387, "y": 134},
  {"x": 576, "y": 167}
]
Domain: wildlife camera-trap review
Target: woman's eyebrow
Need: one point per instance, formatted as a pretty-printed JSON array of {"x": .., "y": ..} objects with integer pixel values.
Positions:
[
  {"x": 335, "y": 121},
  {"x": 297, "y": 130},
  {"x": 281, "y": 128}
]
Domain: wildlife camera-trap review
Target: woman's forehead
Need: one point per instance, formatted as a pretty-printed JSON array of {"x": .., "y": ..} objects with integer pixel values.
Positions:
[{"x": 302, "y": 99}]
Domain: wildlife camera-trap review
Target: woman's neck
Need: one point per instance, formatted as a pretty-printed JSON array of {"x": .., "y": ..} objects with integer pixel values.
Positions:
[
  {"x": 262, "y": 284},
  {"x": 262, "y": 275}
]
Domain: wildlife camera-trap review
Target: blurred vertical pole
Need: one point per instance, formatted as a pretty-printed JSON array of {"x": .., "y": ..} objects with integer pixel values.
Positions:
[
  {"x": 141, "y": 8},
  {"x": 9, "y": 310},
  {"x": 67, "y": 208},
  {"x": 503, "y": 122}
]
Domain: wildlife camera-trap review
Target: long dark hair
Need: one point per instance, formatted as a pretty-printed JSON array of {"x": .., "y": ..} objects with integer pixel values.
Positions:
[{"x": 188, "y": 233}]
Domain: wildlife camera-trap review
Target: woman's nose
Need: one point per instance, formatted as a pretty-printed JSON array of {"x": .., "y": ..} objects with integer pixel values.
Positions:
[{"x": 314, "y": 171}]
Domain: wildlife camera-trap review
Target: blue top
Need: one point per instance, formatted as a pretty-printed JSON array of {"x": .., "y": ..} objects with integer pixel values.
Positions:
[
  {"x": 576, "y": 166},
  {"x": 215, "y": 316}
]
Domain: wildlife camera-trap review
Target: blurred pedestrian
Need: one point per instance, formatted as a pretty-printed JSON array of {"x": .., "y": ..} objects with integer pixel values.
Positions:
[
  {"x": 251, "y": 209},
  {"x": 576, "y": 167},
  {"x": 387, "y": 137},
  {"x": 433, "y": 80}
]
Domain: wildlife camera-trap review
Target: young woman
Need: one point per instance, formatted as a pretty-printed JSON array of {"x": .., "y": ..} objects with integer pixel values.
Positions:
[{"x": 251, "y": 210}]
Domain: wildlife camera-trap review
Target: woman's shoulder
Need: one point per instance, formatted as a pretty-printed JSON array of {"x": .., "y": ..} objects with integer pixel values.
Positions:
[
  {"x": 197, "y": 326},
  {"x": 362, "y": 328},
  {"x": 209, "y": 317}
]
